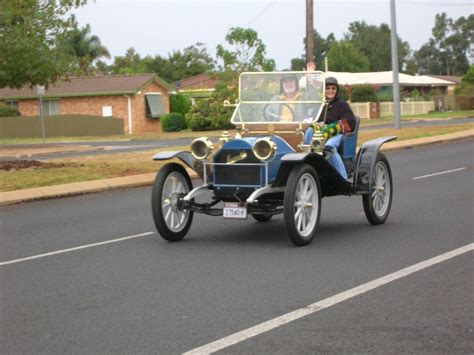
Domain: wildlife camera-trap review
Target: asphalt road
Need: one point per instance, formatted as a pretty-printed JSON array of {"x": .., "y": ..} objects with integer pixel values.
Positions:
[
  {"x": 124, "y": 146},
  {"x": 145, "y": 295}
]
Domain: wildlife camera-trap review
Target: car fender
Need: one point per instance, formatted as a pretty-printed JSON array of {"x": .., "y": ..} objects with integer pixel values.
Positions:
[
  {"x": 288, "y": 162},
  {"x": 366, "y": 162},
  {"x": 185, "y": 156}
]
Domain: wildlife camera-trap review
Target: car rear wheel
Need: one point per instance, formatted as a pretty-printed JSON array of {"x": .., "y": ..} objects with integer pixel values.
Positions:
[
  {"x": 377, "y": 204},
  {"x": 171, "y": 221},
  {"x": 302, "y": 204}
]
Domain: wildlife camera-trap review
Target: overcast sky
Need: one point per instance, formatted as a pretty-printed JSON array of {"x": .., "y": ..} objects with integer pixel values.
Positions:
[{"x": 159, "y": 26}]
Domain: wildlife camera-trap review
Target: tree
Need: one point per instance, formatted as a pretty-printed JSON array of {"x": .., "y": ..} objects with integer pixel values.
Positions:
[
  {"x": 428, "y": 59},
  {"x": 446, "y": 51},
  {"x": 321, "y": 48},
  {"x": 130, "y": 63},
  {"x": 192, "y": 60},
  {"x": 467, "y": 83},
  {"x": 30, "y": 35},
  {"x": 86, "y": 48},
  {"x": 374, "y": 43},
  {"x": 246, "y": 53},
  {"x": 344, "y": 56}
]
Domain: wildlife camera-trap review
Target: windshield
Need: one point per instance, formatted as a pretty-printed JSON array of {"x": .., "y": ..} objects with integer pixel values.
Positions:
[{"x": 279, "y": 97}]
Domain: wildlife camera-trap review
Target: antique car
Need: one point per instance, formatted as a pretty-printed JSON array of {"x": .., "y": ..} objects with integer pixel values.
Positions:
[{"x": 276, "y": 163}]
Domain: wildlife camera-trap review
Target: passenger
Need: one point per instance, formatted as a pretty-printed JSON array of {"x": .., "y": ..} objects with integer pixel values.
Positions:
[{"x": 339, "y": 120}]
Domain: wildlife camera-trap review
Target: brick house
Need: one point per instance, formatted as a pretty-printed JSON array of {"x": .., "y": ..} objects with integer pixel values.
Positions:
[
  {"x": 197, "y": 87},
  {"x": 138, "y": 99}
]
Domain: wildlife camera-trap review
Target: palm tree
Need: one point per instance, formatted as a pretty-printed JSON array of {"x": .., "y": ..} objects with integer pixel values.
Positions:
[{"x": 86, "y": 48}]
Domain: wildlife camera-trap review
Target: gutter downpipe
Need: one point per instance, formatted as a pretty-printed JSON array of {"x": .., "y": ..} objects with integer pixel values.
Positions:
[{"x": 129, "y": 113}]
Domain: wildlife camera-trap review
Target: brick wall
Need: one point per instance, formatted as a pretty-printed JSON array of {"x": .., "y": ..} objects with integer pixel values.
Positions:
[
  {"x": 141, "y": 123},
  {"x": 92, "y": 105},
  {"x": 28, "y": 107}
]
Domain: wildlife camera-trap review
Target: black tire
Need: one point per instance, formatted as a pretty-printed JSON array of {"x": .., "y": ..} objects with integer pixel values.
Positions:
[
  {"x": 299, "y": 175},
  {"x": 262, "y": 217},
  {"x": 165, "y": 206},
  {"x": 378, "y": 203}
]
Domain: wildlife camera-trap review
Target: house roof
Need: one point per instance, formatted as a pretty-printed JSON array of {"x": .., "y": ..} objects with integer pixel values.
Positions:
[
  {"x": 198, "y": 82},
  {"x": 385, "y": 78},
  {"x": 90, "y": 86},
  {"x": 455, "y": 79}
]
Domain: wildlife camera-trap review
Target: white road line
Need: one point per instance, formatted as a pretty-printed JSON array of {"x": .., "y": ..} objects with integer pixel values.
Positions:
[
  {"x": 75, "y": 248},
  {"x": 440, "y": 173},
  {"x": 328, "y": 302}
]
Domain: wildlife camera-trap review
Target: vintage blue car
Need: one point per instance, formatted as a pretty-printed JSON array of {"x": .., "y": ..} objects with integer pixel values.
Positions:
[{"x": 276, "y": 163}]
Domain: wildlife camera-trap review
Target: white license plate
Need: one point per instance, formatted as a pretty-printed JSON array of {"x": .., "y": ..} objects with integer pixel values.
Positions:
[{"x": 234, "y": 211}]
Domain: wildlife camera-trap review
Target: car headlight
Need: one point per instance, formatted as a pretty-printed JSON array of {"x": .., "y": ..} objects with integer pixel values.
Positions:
[
  {"x": 264, "y": 148},
  {"x": 201, "y": 148}
]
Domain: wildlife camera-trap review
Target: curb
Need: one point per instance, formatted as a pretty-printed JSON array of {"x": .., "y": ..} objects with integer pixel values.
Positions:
[{"x": 77, "y": 188}]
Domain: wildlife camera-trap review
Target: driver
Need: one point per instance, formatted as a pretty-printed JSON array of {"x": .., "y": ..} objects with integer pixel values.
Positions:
[{"x": 289, "y": 92}]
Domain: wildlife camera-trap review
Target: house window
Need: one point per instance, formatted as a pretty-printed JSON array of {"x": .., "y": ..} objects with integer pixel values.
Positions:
[
  {"x": 106, "y": 111},
  {"x": 51, "y": 107},
  {"x": 154, "y": 105},
  {"x": 12, "y": 103}
]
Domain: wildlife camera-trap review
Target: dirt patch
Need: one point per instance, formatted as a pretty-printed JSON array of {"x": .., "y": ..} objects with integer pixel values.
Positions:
[{"x": 8, "y": 165}]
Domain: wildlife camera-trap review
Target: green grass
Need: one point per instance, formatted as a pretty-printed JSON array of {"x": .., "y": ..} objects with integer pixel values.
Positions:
[
  {"x": 132, "y": 137},
  {"x": 426, "y": 116}
]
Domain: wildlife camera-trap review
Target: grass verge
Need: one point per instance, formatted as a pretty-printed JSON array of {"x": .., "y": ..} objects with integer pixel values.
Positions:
[{"x": 62, "y": 171}]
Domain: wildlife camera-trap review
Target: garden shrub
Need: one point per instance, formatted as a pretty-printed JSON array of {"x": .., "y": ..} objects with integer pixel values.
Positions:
[
  {"x": 180, "y": 103},
  {"x": 209, "y": 114},
  {"x": 8, "y": 111},
  {"x": 385, "y": 95},
  {"x": 342, "y": 93},
  {"x": 173, "y": 122},
  {"x": 363, "y": 93},
  {"x": 196, "y": 121}
]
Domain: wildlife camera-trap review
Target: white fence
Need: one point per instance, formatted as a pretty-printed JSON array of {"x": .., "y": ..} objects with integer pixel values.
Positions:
[
  {"x": 407, "y": 108},
  {"x": 362, "y": 109}
]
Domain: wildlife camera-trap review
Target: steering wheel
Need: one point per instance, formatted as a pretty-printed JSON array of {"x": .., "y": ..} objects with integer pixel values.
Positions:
[{"x": 271, "y": 117}]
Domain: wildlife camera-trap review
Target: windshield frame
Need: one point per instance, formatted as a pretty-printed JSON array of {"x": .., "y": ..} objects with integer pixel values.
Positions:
[{"x": 280, "y": 73}]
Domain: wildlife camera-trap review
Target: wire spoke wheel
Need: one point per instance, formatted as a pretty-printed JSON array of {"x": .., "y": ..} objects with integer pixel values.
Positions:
[
  {"x": 302, "y": 204},
  {"x": 171, "y": 220},
  {"x": 377, "y": 204}
]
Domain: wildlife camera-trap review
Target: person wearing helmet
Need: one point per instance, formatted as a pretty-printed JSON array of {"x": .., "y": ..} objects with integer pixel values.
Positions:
[{"x": 339, "y": 120}]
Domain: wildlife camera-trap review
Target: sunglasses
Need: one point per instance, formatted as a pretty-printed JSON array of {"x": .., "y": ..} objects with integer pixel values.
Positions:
[{"x": 331, "y": 88}]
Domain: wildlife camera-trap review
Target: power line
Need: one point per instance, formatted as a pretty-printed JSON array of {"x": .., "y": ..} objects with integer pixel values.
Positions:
[{"x": 261, "y": 12}]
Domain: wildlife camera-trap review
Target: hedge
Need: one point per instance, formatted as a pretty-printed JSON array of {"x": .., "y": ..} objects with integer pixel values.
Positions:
[{"x": 173, "y": 122}]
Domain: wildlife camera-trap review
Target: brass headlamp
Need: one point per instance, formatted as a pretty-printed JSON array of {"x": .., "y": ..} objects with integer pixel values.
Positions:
[
  {"x": 201, "y": 148},
  {"x": 264, "y": 148},
  {"x": 317, "y": 142}
]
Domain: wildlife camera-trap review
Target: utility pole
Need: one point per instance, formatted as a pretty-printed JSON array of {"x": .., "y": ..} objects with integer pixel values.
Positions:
[
  {"x": 41, "y": 92},
  {"x": 309, "y": 31},
  {"x": 396, "y": 85}
]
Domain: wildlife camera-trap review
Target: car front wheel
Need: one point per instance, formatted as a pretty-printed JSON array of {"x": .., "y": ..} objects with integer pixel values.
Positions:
[
  {"x": 172, "y": 182},
  {"x": 302, "y": 204},
  {"x": 377, "y": 204}
]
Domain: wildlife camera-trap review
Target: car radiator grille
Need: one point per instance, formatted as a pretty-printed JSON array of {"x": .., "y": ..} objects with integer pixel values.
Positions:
[{"x": 238, "y": 173}]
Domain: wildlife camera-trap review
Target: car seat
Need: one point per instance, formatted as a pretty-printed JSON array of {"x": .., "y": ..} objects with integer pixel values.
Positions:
[{"x": 348, "y": 147}]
